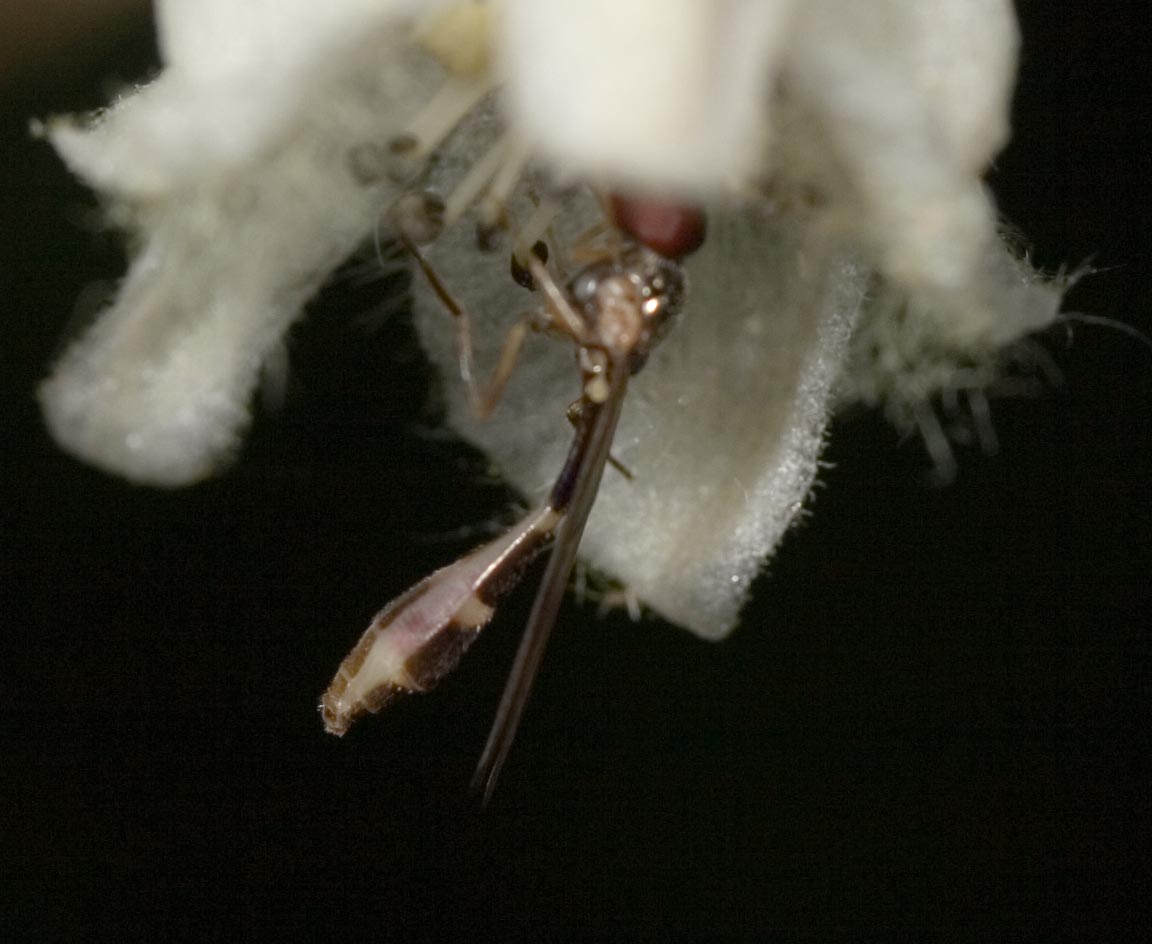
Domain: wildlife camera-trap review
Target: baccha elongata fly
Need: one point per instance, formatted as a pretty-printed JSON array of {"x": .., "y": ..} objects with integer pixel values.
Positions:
[{"x": 614, "y": 310}]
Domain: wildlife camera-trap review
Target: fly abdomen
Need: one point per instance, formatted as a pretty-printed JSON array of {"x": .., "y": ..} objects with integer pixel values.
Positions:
[{"x": 421, "y": 636}]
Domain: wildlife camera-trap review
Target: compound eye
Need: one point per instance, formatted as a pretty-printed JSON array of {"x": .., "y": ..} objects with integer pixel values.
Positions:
[{"x": 672, "y": 229}]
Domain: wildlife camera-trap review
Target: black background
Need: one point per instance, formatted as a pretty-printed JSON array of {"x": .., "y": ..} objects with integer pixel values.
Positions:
[{"x": 931, "y": 726}]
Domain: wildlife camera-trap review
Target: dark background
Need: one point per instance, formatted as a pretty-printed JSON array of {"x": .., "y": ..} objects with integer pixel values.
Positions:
[{"x": 931, "y": 726}]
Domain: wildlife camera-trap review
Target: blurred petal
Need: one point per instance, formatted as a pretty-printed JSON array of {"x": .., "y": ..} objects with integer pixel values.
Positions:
[
  {"x": 841, "y": 147},
  {"x": 663, "y": 93},
  {"x": 912, "y": 100},
  {"x": 881, "y": 122},
  {"x": 236, "y": 78},
  {"x": 238, "y": 223},
  {"x": 723, "y": 427}
]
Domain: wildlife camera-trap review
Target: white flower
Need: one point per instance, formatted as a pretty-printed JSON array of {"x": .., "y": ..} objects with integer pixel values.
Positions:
[
  {"x": 232, "y": 170},
  {"x": 838, "y": 145}
]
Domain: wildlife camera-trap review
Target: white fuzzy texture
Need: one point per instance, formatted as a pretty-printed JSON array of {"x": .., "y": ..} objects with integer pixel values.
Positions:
[
  {"x": 674, "y": 92},
  {"x": 912, "y": 345},
  {"x": 882, "y": 119},
  {"x": 912, "y": 98},
  {"x": 237, "y": 77},
  {"x": 840, "y": 143},
  {"x": 722, "y": 429},
  {"x": 224, "y": 39},
  {"x": 238, "y": 223},
  {"x": 659, "y": 93}
]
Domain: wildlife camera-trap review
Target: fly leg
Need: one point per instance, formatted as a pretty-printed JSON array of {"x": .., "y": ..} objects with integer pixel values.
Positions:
[
  {"x": 418, "y": 219},
  {"x": 576, "y": 415}
]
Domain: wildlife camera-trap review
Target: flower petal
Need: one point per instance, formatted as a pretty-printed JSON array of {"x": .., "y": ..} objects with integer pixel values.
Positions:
[
  {"x": 235, "y": 80},
  {"x": 912, "y": 100},
  {"x": 233, "y": 240},
  {"x": 722, "y": 428},
  {"x": 663, "y": 93}
]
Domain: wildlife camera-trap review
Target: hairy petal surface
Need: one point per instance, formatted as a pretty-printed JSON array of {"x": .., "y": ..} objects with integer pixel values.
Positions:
[
  {"x": 912, "y": 99},
  {"x": 241, "y": 198},
  {"x": 662, "y": 93},
  {"x": 840, "y": 147},
  {"x": 874, "y": 126},
  {"x": 722, "y": 429}
]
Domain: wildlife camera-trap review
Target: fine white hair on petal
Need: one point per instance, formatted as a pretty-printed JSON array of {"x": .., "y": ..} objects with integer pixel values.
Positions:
[
  {"x": 215, "y": 38},
  {"x": 722, "y": 428},
  {"x": 855, "y": 135},
  {"x": 912, "y": 346},
  {"x": 912, "y": 98},
  {"x": 159, "y": 389},
  {"x": 660, "y": 93},
  {"x": 234, "y": 79},
  {"x": 726, "y": 429},
  {"x": 173, "y": 133}
]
